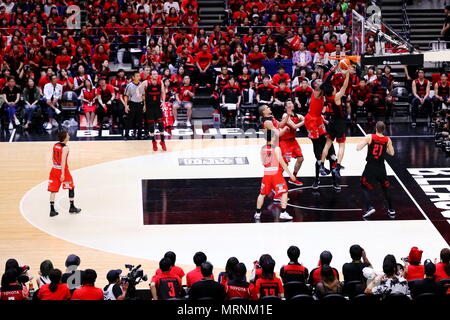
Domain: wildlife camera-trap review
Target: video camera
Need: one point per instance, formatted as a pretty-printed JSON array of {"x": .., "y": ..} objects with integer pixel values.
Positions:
[{"x": 134, "y": 277}]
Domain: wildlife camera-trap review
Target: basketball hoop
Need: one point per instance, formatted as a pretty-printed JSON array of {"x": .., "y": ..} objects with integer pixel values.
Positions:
[{"x": 355, "y": 59}]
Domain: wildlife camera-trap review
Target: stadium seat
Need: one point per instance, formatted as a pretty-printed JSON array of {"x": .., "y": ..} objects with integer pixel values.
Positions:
[
  {"x": 237, "y": 300},
  {"x": 353, "y": 288},
  {"x": 334, "y": 298},
  {"x": 364, "y": 299},
  {"x": 270, "y": 299},
  {"x": 302, "y": 299},
  {"x": 396, "y": 299},
  {"x": 294, "y": 288}
]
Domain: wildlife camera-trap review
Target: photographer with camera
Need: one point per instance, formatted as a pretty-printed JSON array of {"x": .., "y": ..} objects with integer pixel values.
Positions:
[
  {"x": 133, "y": 278},
  {"x": 115, "y": 290}
]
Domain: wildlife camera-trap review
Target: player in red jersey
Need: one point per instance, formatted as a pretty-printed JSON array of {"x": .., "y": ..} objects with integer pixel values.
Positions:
[
  {"x": 60, "y": 174},
  {"x": 273, "y": 179},
  {"x": 336, "y": 127},
  {"x": 155, "y": 96},
  {"x": 315, "y": 126},
  {"x": 375, "y": 171},
  {"x": 288, "y": 144},
  {"x": 285, "y": 125}
]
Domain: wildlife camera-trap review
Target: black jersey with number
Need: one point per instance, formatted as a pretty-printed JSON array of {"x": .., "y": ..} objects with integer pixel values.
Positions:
[
  {"x": 377, "y": 149},
  {"x": 153, "y": 93}
]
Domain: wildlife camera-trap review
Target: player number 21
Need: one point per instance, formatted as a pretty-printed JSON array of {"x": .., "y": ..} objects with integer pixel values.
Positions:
[{"x": 377, "y": 150}]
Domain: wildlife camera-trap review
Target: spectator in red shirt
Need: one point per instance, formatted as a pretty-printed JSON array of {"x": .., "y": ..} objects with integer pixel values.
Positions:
[
  {"x": 165, "y": 285},
  {"x": 414, "y": 270},
  {"x": 55, "y": 290},
  {"x": 226, "y": 276},
  {"x": 173, "y": 269},
  {"x": 281, "y": 75},
  {"x": 184, "y": 98},
  {"x": 196, "y": 274},
  {"x": 329, "y": 283},
  {"x": 63, "y": 61},
  {"x": 315, "y": 44},
  {"x": 88, "y": 291},
  {"x": 203, "y": 72},
  {"x": 269, "y": 284},
  {"x": 11, "y": 289},
  {"x": 325, "y": 260},
  {"x": 237, "y": 285},
  {"x": 255, "y": 59},
  {"x": 443, "y": 267}
]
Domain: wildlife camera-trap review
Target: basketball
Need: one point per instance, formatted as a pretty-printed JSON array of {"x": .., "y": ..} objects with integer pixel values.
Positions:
[{"x": 345, "y": 64}]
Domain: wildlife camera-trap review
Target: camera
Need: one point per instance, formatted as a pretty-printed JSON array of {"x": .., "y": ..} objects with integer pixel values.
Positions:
[{"x": 134, "y": 277}]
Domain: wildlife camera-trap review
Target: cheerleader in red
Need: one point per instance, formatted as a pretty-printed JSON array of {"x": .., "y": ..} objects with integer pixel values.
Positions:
[
  {"x": 60, "y": 174},
  {"x": 88, "y": 96}
]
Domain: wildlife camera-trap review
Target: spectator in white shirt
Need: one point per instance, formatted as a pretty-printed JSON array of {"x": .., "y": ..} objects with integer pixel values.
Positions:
[
  {"x": 389, "y": 283},
  {"x": 337, "y": 53},
  {"x": 302, "y": 59},
  {"x": 171, "y": 4},
  {"x": 9, "y": 5},
  {"x": 52, "y": 94}
]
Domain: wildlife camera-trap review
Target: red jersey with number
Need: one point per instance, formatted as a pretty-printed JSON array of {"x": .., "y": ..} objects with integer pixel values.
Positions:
[
  {"x": 168, "y": 285},
  {"x": 291, "y": 133},
  {"x": 269, "y": 287},
  {"x": 54, "y": 182},
  {"x": 377, "y": 149}
]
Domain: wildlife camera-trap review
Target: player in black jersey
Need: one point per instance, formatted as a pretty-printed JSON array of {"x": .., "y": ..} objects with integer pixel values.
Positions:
[
  {"x": 155, "y": 95},
  {"x": 336, "y": 128},
  {"x": 375, "y": 171}
]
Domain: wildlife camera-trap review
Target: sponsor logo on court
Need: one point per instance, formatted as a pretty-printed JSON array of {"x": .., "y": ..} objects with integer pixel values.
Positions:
[
  {"x": 435, "y": 182},
  {"x": 212, "y": 161}
]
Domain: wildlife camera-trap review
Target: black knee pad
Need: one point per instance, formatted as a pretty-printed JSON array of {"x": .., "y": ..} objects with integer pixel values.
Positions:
[
  {"x": 71, "y": 193},
  {"x": 161, "y": 126}
]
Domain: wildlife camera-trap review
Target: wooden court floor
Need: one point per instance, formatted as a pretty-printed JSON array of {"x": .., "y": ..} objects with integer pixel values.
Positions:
[{"x": 26, "y": 164}]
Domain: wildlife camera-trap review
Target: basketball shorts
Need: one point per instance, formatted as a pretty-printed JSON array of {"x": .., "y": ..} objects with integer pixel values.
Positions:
[
  {"x": 337, "y": 129},
  {"x": 275, "y": 182},
  {"x": 314, "y": 126},
  {"x": 54, "y": 181},
  {"x": 290, "y": 149},
  {"x": 374, "y": 174},
  {"x": 154, "y": 113}
]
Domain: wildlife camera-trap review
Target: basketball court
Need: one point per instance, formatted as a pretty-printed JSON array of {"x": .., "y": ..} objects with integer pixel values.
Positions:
[{"x": 200, "y": 195}]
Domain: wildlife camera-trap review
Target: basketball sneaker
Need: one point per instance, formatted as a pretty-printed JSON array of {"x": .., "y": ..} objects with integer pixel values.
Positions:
[
  {"x": 336, "y": 186},
  {"x": 53, "y": 213},
  {"x": 296, "y": 182},
  {"x": 323, "y": 171},
  {"x": 337, "y": 171},
  {"x": 155, "y": 146},
  {"x": 163, "y": 145},
  {"x": 391, "y": 213},
  {"x": 315, "y": 184},
  {"x": 74, "y": 210},
  {"x": 257, "y": 216},
  {"x": 369, "y": 212},
  {"x": 286, "y": 216}
]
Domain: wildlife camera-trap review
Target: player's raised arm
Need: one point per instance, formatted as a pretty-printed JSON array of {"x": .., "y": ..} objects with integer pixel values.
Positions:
[
  {"x": 390, "y": 148},
  {"x": 341, "y": 92},
  {"x": 365, "y": 142}
]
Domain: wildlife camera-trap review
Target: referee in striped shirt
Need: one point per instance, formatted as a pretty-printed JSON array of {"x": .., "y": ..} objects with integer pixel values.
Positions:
[{"x": 134, "y": 107}]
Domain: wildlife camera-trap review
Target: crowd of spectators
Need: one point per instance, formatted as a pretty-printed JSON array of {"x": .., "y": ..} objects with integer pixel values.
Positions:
[{"x": 408, "y": 277}]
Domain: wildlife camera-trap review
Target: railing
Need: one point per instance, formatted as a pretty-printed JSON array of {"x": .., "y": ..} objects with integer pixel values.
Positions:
[{"x": 406, "y": 28}]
